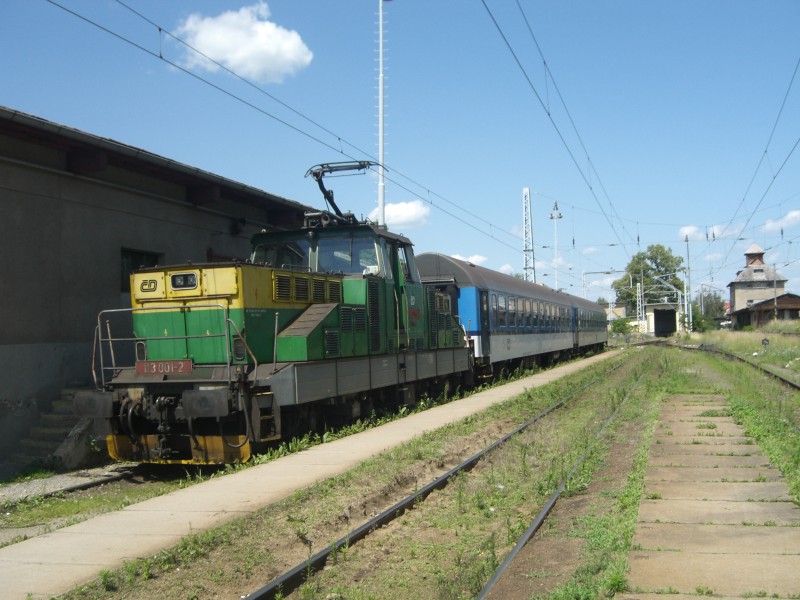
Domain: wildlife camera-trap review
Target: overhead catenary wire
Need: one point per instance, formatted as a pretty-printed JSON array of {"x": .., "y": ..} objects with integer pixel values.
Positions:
[
  {"x": 549, "y": 77},
  {"x": 764, "y": 154},
  {"x": 551, "y": 119},
  {"x": 339, "y": 150}
]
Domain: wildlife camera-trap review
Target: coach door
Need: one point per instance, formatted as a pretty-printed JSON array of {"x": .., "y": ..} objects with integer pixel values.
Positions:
[
  {"x": 577, "y": 324},
  {"x": 484, "y": 332}
]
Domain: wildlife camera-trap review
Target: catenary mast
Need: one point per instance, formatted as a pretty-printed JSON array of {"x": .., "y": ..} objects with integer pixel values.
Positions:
[{"x": 529, "y": 264}]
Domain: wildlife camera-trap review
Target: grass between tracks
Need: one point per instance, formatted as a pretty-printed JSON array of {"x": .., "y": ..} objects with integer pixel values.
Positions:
[
  {"x": 451, "y": 544},
  {"x": 37, "y": 515},
  {"x": 261, "y": 546}
]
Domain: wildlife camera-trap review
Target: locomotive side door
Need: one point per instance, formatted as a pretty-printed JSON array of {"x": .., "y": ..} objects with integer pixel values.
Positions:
[{"x": 409, "y": 297}]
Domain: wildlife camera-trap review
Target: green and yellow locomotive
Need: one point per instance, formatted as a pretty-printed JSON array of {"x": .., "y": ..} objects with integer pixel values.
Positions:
[{"x": 321, "y": 325}]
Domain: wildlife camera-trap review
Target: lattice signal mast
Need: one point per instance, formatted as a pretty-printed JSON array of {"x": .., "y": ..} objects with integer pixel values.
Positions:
[{"x": 529, "y": 264}]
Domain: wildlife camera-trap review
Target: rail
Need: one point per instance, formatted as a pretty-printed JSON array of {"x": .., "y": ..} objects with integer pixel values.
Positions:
[
  {"x": 710, "y": 349},
  {"x": 548, "y": 507},
  {"x": 295, "y": 577}
]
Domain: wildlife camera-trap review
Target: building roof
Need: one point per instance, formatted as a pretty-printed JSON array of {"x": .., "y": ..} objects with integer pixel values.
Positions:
[
  {"x": 784, "y": 302},
  {"x": 756, "y": 270},
  {"x": 753, "y": 273},
  {"x": 87, "y": 154}
]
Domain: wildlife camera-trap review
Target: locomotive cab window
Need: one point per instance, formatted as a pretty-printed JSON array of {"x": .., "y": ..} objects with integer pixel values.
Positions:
[
  {"x": 351, "y": 256},
  {"x": 408, "y": 269},
  {"x": 287, "y": 255}
]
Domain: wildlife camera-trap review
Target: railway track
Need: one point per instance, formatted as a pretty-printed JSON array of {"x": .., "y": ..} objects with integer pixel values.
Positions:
[
  {"x": 301, "y": 574},
  {"x": 416, "y": 500},
  {"x": 297, "y": 576},
  {"x": 790, "y": 383},
  {"x": 86, "y": 479}
]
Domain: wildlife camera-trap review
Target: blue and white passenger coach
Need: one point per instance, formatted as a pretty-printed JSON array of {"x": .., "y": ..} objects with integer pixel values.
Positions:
[{"x": 511, "y": 322}]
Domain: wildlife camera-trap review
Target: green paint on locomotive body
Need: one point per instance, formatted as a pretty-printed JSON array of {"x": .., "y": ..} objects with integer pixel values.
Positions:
[{"x": 336, "y": 292}]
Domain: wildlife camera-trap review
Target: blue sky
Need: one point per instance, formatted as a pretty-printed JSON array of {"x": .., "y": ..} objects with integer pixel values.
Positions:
[{"x": 667, "y": 131}]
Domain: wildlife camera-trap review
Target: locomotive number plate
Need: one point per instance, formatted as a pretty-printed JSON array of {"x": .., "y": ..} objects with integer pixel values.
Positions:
[{"x": 163, "y": 367}]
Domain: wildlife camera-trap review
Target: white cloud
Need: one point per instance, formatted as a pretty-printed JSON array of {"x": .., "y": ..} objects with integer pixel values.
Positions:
[
  {"x": 692, "y": 232},
  {"x": 403, "y": 214},
  {"x": 507, "y": 269},
  {"x": 791, "y": 219},
  {"x": 475, "y": 259},
  {"x": 589, "y": 250},
  {"x": 246, "y": 42},
  {"x": 714, "y": 257}
]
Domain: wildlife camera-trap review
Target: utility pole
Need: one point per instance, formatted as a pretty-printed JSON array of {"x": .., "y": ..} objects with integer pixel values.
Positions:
[
  {"x": 529, "y": 261},
  {"x": 775, "y": 290},
  {"x": 688, "y": 290},
  {"x": 555, "y": 216}
]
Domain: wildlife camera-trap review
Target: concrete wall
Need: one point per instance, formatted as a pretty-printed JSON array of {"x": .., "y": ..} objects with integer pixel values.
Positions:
[
  {"x": 745, "y": 294},
  {"x": 61, "y": 241}
]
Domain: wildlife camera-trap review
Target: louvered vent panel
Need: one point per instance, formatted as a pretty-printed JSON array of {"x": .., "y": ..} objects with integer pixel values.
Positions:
[
  {"x": 373, "y": 304},
  {"x": 334, "y": 291},
  {"x": 283, "y": 288},
  {"x": 360, "y": 316},
  {"x": 332, "y": 343},
  {"x": 318, "y": 290},
  {"x": 433, "y": 336},
  {"x": 346, "y": 318},
  {"x": 301, "y": 292}
]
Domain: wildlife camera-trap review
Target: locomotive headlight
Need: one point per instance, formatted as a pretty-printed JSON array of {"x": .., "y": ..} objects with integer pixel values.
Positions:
[{"x": 183, "y": 281}]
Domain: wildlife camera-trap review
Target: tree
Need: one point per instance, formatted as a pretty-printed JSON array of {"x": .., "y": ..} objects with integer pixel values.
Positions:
[
  {"x": 644, "y": 267},
  {"x": 708, "y": 313}
]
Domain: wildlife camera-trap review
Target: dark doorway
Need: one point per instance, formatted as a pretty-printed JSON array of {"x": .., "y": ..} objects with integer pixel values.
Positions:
[{"x": 665, "y": 322}]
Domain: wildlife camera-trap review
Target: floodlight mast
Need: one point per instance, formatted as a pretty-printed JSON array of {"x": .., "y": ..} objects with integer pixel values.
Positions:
[{"x": 381, "y": 182}]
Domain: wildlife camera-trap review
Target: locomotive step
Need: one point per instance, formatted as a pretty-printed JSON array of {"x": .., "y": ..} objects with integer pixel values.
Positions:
[
  {"x": 52, "y": 433},
  {"x": 58, "y": 420}
]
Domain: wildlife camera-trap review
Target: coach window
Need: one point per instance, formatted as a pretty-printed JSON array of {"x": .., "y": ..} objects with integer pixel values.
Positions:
[
  {"x": 512, "y": 312},
  {"x": 494, "y": 311},
  {"x": 501, "y": 311}
]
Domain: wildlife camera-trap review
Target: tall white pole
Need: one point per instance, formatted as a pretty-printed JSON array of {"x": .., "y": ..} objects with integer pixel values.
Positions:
[
  {"x": 555, "y": 215},
  {"x": 381, "y": 184}
]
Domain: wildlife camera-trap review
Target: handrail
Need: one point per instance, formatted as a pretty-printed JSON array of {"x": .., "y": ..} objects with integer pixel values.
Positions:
[
  {"x": 244, "y": 341},
  {"x": 111, "y": 340}
]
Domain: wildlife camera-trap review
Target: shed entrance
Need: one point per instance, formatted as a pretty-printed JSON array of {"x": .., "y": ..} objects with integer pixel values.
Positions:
[{"x": 664, "y": 322}]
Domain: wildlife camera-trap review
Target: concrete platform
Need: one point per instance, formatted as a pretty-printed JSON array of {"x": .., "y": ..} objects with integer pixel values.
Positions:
[
  {"x": 716, "y": 518},
  {"x": 57, "y": 562}
]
